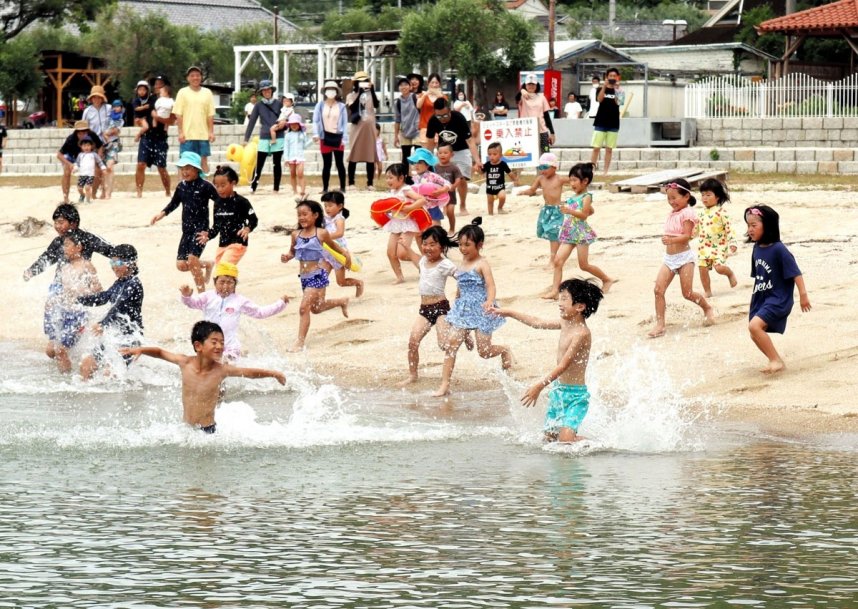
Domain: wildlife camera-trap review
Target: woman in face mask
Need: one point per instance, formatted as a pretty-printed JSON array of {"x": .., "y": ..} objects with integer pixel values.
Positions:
[
  {"x": 362, "y": 103},
  {"x": 266, "y": 110},
  {"x": 329, "y": 120}
]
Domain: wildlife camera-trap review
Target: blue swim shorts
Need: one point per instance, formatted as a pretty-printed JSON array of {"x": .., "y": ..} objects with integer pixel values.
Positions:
[
  {"x": 201, "y": 147},
  {"x": 549, "y": 222},
  {"x": 67, "y": 327},
  {"x": 567, "y": 407},
  {"x": 317, "y": 279}
]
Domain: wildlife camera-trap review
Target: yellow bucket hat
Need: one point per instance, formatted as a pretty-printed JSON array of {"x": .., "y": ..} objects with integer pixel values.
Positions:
[{"x": 226, "y": 269}]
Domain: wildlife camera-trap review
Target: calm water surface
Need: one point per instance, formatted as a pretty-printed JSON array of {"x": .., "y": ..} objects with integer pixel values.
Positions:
[{"x": 316, "y": 497}]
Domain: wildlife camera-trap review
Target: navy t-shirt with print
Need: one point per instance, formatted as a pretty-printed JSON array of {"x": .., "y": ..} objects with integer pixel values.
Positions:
[
  {"x": 774, "y": 270},
  {"x": 495, "y": 176}
]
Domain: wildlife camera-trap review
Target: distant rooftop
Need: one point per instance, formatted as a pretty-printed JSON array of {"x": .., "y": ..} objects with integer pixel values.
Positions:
[
  {"x": 826, "y": 18},
  {"x": 210, "y": 14}
]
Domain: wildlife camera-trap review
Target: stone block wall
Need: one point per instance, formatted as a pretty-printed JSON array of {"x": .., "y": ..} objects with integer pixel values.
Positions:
[{"x": 817, "y": 132}]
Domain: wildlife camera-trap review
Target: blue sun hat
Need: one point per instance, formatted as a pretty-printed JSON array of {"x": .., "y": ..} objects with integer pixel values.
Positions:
[
  {"x": 192, "y": 159},
  {"x": 421, "y": 154}
]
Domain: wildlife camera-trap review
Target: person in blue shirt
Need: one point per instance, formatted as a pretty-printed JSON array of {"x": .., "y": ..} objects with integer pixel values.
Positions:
[{"x": 776, "y": 275}]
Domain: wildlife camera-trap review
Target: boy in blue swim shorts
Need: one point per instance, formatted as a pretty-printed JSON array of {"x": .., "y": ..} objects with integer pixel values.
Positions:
[{"x": 568, "y": 398}]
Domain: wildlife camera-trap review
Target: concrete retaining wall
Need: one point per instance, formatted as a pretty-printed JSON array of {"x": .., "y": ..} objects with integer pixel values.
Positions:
[{"x": 752, "y": 132}]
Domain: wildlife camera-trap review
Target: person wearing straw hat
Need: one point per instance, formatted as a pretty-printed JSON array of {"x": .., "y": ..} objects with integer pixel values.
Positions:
[
  {"x": 362, "y": 103},
  {"x": 329, "y": 125},
  {"x": 193, "y": 193},
  {"x": 266, "y": 111},
  {"x": 194, "y": 109},
  {"x": 69, "y": 151},
  {"x": 97, "y": 114}
]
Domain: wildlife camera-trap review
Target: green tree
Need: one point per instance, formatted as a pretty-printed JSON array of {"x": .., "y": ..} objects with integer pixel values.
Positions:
[
  {"x": 770, "y": 43},
  {"x": 20, "y": 76},
  {"x": 478, "y": 39},
  {"x": 360, "y": 20},
  {"x": 15, "y": 15}
]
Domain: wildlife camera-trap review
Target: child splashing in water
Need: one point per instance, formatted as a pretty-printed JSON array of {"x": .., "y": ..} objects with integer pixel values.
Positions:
[
  {"x": 335, "y": 223},
  {"x": 435, "y": 268},
  {"x": 401, "y": 227},
  {"x": 307, "y": 243},
  {"x": 716, "y": 239},
  {"x": 776, "y": 275},
  {"x": 568, "y": 398},
  {"x": 679, "y": 258},
  {"x": 473, "y": 307},
  {"x": 575, "y": 233}
]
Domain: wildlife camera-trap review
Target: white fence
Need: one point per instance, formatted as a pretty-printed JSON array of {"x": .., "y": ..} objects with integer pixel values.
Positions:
[{"x": 794, "y": 95}]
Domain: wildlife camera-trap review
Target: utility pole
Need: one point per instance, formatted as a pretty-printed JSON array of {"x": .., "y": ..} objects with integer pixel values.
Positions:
[
  {"x": 612, "y": 15},
  {"x": 552, "y": 12}
]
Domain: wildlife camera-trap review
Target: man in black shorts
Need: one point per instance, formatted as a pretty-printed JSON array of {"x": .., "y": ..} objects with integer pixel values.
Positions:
[{"x": 153, "y": 146}]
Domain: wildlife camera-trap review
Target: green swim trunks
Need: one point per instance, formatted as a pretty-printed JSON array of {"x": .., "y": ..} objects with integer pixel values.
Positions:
[{"x": 567, "y": 407}]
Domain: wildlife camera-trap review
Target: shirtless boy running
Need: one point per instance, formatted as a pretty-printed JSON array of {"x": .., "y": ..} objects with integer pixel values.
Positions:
[
  {"x": 550, "y": 217},
  {"x": 202, "y": 374},
  {"x": 568, "y": 398}
]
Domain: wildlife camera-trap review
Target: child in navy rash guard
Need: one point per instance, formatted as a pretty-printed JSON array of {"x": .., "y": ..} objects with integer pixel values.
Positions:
[{"x": 193, "y": 193}]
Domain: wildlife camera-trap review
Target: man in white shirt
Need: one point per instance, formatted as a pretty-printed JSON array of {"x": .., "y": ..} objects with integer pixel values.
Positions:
[
  {"x": 594, "y": 103},
  {"x": 572, "y": 109}
]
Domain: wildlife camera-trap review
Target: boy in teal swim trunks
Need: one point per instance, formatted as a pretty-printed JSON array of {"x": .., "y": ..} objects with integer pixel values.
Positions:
[
  {"x": 550, "y": 218},
  {"x": 568, "y": 398}
]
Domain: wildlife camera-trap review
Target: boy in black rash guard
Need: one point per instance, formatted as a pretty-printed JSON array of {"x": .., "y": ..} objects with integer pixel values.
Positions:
[
  {"x": 234, "y": 218},
  {"x": 124, "y": 319},
  {"x": 66, "y": 218},
  {"x": 194, "y": 194}
]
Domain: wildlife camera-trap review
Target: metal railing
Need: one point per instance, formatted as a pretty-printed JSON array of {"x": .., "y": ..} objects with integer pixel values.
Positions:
[{"x": 792, "y": 96}]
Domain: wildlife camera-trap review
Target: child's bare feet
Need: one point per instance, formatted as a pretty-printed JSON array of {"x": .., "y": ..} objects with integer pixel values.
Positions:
[
  {"x": 298, "y": 346},
  {"x": 773, "y": 367},
  {"x": 345, "y": 308},
  {"x": 410, "y": 380},
  {"x": 358, "y": 288},
  {"x": 732, "y": 279},
  {"x": 550, "y": 295},
  {"x": 708, "y": 294},
  {"x": 273, "y": 140},
  {"x": 606, "y": 286},
  {"x": 464, "y": 212},
  {"x": 507, "y": 360},
  {"x": 443, "y": 390},
  {"x": 399, "y": 279},
  {"x": 656, "y": 332},
  {"x": 709, "y": 314}
]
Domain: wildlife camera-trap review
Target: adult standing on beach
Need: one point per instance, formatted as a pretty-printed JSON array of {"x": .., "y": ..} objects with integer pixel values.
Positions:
[
  {"x": 426, "y": 103},
  {"x": 500, "y": 107},
  {"x": 606, "y": 126},
  {"x": 593, "y": 108},
  {"x": 97, "y": 114},
  {"x": 449, "y": 127},
  {"x": 416, "y": 82},
  {"x": 534, "y": 105},
  {"x": 194, "y": 110},
  {"x": 406, "y": 119},
  {"x": 329, "y": 124},
  {"x": 572, "y": 109},
  {"x": 67, "y": 154},
  {"x": 3, "y": 136},
  {"x": 361, "y": 104},
  {"x": 153, "y": 146},
  {"x": 266, "y": 111},
  {"x": 248, "y": 107}
]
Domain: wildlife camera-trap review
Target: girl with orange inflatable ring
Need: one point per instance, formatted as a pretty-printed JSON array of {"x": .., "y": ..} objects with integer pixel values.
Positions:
[{"x": 400, "y": 224}]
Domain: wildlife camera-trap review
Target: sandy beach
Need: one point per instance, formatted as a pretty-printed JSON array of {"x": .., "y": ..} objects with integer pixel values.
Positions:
[{"x": 718, "y": 364}]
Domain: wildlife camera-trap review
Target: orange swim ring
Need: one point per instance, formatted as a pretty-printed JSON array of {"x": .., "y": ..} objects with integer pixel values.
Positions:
[{"x": 382, "y": 211}]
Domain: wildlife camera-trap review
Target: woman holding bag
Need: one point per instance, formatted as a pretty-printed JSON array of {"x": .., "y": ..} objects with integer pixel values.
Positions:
[
  {"x": 329, "y": 124},
  {"x": 362, "y": 103},
  {"x": 266, "y": 110}
]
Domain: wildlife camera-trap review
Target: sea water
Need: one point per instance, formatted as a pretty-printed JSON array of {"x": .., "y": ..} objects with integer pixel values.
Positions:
[{"x": 317, "y": 496}]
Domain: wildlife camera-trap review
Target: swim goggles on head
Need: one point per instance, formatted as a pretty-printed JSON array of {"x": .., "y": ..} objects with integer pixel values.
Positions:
[
  {"x": 543, "y": 167},
  {"x": 117, "y": 263},
  {"x": 676, "y": 186}
]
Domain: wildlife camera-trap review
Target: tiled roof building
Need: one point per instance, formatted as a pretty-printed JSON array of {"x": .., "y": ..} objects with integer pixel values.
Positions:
[
  {"x": 210, "y": 14},
  {"x": 826, "y": 19}
]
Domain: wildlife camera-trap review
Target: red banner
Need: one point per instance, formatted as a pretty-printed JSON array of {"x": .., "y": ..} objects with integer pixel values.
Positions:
[{"x": 553, "y": 89}]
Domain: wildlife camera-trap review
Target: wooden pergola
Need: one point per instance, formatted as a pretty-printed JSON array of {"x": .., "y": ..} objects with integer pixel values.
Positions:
[
  {"x": 70, "y": 71},
  {"x": 836, "y": 20}
]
